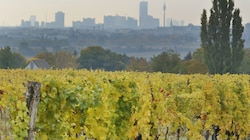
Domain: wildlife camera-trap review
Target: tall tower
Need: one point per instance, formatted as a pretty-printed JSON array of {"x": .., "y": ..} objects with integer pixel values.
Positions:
[
  {"x": 143, "y": 13},
  {"x": 164, "y": 14},
  {"x": 32, "y": 20},
  {"x": 59, "y": 20}
]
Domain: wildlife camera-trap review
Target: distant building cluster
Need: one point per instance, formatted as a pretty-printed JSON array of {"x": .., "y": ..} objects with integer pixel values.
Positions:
[
  {"x": 86, "y": 23},
  {"x": 119, "y": 22},
  {"x": 110, "y": 22},
  {"x": 31, "y": 23},
  {"x": 146, "y": 21},
  {"x": 58, "y": 23}
]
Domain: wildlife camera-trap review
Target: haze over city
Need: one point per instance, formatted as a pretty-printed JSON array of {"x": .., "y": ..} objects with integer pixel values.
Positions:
[{"x": 13, "y": 11}]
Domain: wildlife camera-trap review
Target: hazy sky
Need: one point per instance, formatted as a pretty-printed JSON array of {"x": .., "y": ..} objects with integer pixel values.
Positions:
[{"x": 13, "y": 11}]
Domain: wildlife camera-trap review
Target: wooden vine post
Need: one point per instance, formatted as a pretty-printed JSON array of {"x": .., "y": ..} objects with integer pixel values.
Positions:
[{"x": 32, "y": 100}]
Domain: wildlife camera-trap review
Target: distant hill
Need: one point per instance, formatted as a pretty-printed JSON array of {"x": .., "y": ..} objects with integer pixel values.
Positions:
[{"x": 140, "y": 43}]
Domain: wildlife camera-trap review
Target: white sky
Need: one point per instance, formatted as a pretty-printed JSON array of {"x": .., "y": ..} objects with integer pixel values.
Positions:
[{"x": 13, "y": 11}]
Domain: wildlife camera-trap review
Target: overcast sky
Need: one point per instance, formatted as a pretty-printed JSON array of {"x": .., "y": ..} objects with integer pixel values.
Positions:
[{"x": 13, "y": 11}]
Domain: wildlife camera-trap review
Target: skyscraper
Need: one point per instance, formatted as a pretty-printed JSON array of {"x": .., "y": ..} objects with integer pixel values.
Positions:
[
  {"x": 143, "y": 13},
  {"x": 146, "y": 21},
  {"x": 59, "y": 20},
  {"x": 32, "y": 20}
]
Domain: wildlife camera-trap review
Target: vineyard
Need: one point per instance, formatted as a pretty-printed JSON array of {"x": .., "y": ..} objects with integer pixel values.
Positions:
[{"x": 81, "y": 104}]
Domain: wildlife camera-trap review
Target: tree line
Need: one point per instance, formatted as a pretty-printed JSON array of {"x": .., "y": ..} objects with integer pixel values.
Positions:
[{"x": 96, "y": 57}]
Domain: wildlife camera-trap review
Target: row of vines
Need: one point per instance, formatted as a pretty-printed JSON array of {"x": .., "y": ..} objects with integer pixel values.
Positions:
[{"x": 126, "y": 105}]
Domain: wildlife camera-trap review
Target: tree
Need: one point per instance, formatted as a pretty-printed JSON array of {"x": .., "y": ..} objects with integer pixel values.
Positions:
[
  {"x": 222, "y": 53},
  {"x": 49, "y": 57},
  {"x": 92, "y": 58},
  {"x": 237, "y": 42},
  {"x": 198, "y": 54},
  {"x": 138, "y": 64},
  {"x": 194, "y": 66},
  {"x": 167, "y": 62},
  {"x": 5, "y": 58},
  {"x": 245, "y": 65},
  {"x": 11, "y": 60},
  {"x": 59, "y": 60},
  {"x": 188, "y": 56},
  {"x": 19, "y": 61},
  {"x": 95, "y": 57},
  {"x": 65, "y": 60}
]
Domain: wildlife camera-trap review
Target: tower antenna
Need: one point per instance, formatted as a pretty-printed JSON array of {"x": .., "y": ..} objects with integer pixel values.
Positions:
[{"x": 164, "y": 14}]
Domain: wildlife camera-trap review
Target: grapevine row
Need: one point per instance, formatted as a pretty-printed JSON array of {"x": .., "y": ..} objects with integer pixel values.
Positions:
[{"x": 125, "y": 105}]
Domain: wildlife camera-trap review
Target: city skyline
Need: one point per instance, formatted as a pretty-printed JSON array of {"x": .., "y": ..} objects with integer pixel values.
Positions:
[
  {"x": 146, "y": 21},
  {"x": 188, "y": 10}
]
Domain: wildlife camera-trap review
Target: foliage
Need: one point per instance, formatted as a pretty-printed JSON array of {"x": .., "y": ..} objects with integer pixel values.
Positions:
[
  {"x": 237, "y": 41},
  {"x": 138, "y": 64},
  {"x": 167, "y": 62},
  {"x": 49, "y": 57},
  {"x": 95, "y": 57},
  {"x": 65, "y": 60},
  {"x": 198, "y": 54},
  {"x": 188, "y": 56},
  {"x": 245, "y": 65},
  {"x": 60, "y": 59},
  {"x": 120, "y": 105},
  {"x": 194, "y": 66},
  {"x": 222, "y": 53},
  {"x": 9, "y": 59}
]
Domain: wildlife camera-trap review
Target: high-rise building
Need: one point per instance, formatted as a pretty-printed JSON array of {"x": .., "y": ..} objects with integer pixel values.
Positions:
[
  {"x": 143, "y": 13},
  {"x": 131, "y": 23},
  {"x": 59, "y": 20},
  {"x": 146, "y": 21},
  {"x": 32, "y": 20}
]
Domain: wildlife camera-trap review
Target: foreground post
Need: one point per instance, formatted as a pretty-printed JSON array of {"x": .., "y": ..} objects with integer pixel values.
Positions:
[{"x": 32, "y": 100}]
